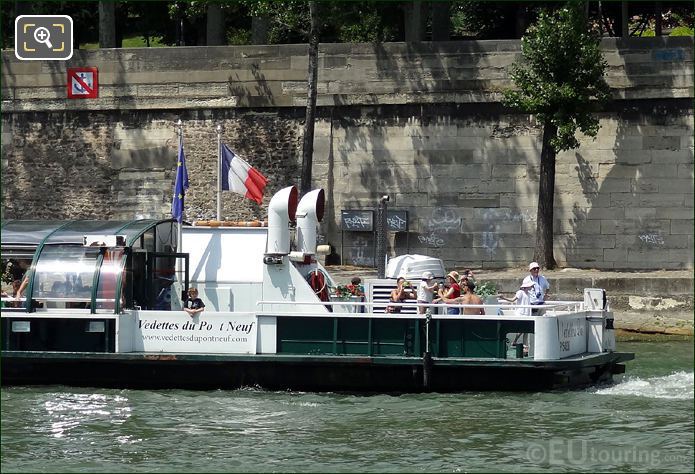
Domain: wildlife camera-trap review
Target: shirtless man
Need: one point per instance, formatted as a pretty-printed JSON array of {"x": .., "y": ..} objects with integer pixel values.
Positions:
[{"x": 468, "y": 297}]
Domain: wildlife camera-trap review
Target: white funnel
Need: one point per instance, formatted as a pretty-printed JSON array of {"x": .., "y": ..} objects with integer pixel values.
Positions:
[
  {"x": 281, "y": 210},
  {"x": 309, "y": 214}
]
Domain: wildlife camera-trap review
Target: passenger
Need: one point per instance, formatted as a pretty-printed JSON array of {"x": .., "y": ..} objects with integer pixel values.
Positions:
[
  {"x": 22, "y": 286},
  {"x": 540, "y": 287},
  {"x": 20, "y": 275},
  {"x": 425, "y": 291},
  {"x": 468, "y": 273},
  {"x": 451, "y": 293},
  {"x": 193, "y": 305},
  {"x": 468, "y": 297},
  {"x": 522, "y": 297},
  {"x": 355, "y": 286},
  {"x": 400, "y": 294},
  {"x": 356, "y": 289}
]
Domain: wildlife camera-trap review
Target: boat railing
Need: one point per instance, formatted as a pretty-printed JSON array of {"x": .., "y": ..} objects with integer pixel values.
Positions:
[{"x": 354, "y": 307}]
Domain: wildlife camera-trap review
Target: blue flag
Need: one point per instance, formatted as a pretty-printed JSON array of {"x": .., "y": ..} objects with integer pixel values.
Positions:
[{"x": 180, "y": 186}]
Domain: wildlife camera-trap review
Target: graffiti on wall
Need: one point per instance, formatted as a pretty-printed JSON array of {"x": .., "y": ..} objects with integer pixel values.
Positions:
[{"x": 444, "y": 219}]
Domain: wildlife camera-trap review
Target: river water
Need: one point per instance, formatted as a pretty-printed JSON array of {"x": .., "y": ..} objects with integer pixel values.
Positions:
[{"x": 644, "y": 423}]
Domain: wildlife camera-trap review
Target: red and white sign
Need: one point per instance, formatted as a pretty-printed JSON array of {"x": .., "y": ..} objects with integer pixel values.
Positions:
[{"x": 83, "y": 83}]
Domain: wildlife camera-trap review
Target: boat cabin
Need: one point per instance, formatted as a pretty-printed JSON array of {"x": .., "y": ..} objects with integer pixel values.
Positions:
[{"x": 96, "y": 266}]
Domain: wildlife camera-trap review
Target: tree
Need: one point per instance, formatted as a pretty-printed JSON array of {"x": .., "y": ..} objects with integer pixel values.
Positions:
[
  {"x": 562, "y": 83},
  {"x": 107, "y": 24},
  {"x": 308, "y": 148}
]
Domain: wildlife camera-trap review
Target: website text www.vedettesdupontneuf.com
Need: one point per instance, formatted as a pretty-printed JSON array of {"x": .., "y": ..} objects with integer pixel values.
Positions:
[{"x": 193, "y": 338}]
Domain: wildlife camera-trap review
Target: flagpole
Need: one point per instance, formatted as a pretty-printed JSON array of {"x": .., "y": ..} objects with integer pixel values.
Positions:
[
  {"x": 219, "y": 172},
  {"x": 179, "y": 231}
]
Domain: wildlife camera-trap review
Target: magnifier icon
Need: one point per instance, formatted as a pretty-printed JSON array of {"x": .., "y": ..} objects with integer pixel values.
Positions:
[{"x": 42, "y": 35}]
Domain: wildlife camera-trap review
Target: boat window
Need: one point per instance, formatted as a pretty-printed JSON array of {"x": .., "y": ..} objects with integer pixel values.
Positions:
[
  {"x": 64, "y": 276},
  {"x": 15, "y": 266},
  {"x": 111, "y": 270}
]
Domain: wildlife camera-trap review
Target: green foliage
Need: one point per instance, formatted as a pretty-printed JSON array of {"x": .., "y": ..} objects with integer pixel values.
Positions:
[
  {"x": 682, "y": 31},
  {"x": 562, "y": 75},
  {"x": 486, "y": 19},
  {"x": 486, "y": 289}
]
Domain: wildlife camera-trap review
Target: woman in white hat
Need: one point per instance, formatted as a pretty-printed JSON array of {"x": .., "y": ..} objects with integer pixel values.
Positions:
[{"x": 425, "y": 291}]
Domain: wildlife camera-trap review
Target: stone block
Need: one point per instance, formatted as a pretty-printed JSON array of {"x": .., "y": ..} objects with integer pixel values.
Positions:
[
  {"x": 682, "y": 226},
  {"x": 410, "y": 199},
  {"x": 605, "y": 213},
  {"x": 518, "y": 200},
  {"x": 684, "y": 259},
  {"x": 662, "y": 142},
  {"x": 502, "y": 241},
  {"x": 677, "y": 213},
  {"x": 584, "y": 241},
  {"x": 143, "y": 158},
  {"x": 661, "y": 200},
  {"x": 615, "y": 254},
  {"x": 647, "y": 258},
  {"x": 503, "y": 171},
  {"x": 640, "y": 213},
  {"x": 580, "y": 256},
  {"x": 685, "y": 171},
  {"x": 465, "y": 201},
  {"x": 472, "y": 226},
  {"x": 433, "y": 130},
  {"x": 447, "y": 157}
]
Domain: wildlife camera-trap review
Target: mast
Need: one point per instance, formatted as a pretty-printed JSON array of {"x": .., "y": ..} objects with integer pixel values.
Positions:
[{"x": 219, "y": 172}]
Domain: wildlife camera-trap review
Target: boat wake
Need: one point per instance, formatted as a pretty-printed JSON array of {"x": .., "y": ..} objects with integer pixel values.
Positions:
[{"x": 678, "y": 385}]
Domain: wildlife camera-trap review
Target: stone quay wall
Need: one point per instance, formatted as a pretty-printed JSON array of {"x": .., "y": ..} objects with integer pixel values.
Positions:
[{"x": 421, "y": 123}]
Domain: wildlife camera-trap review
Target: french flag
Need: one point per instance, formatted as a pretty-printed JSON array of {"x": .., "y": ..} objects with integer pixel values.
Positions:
[{"x": 241, "y": 177}]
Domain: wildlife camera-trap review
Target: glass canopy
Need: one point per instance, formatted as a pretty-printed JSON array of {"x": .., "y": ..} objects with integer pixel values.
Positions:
[{"x": 51, "y": 264}]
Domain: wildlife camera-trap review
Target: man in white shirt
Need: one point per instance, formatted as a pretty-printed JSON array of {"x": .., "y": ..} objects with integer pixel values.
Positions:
[{"x": 540, "y": 285}]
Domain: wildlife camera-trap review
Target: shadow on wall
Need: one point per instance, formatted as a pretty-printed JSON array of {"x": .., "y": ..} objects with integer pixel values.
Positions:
[
  {"x": 638, "y": 192},
  {"x": 456, "y": 174}
]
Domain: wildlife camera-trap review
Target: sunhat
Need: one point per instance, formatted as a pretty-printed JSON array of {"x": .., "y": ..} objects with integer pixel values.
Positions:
[
  {"x": 533, "y": 265},
  {"x": 454, "y": 274},
  {"x": 427, "y": 276}
]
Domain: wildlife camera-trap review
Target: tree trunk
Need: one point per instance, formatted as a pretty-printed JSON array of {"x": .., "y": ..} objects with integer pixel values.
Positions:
[
  {"x": 308, "y": 148},
  {"x": 414, "y": 24},
  {"x": 259, "y": 29},
  {"x": 107, "y": 24},
  {"x": 658, "y": 20},
  {"x": 215, "y": 25},
  {"x": 624, "y": 20},
  {"x": 441, "y": 21},
  {"x": 543, "y": 253}
]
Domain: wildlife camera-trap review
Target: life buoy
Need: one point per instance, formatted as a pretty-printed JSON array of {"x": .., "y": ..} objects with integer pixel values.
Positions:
[{"x": 317, "y": 281}]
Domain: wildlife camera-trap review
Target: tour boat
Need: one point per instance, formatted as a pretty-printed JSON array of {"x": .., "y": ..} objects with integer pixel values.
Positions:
[{"x": 103, "y": 308}]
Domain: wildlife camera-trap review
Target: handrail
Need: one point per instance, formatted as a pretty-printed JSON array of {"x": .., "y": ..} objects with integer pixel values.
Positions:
[{"x": 410, "y": 305}]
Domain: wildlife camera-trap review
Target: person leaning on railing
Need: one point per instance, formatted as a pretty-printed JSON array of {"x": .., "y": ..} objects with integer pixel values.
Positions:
[
  {"x": 193, "y": 305},
  {"x": 522, "y": 297}
]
